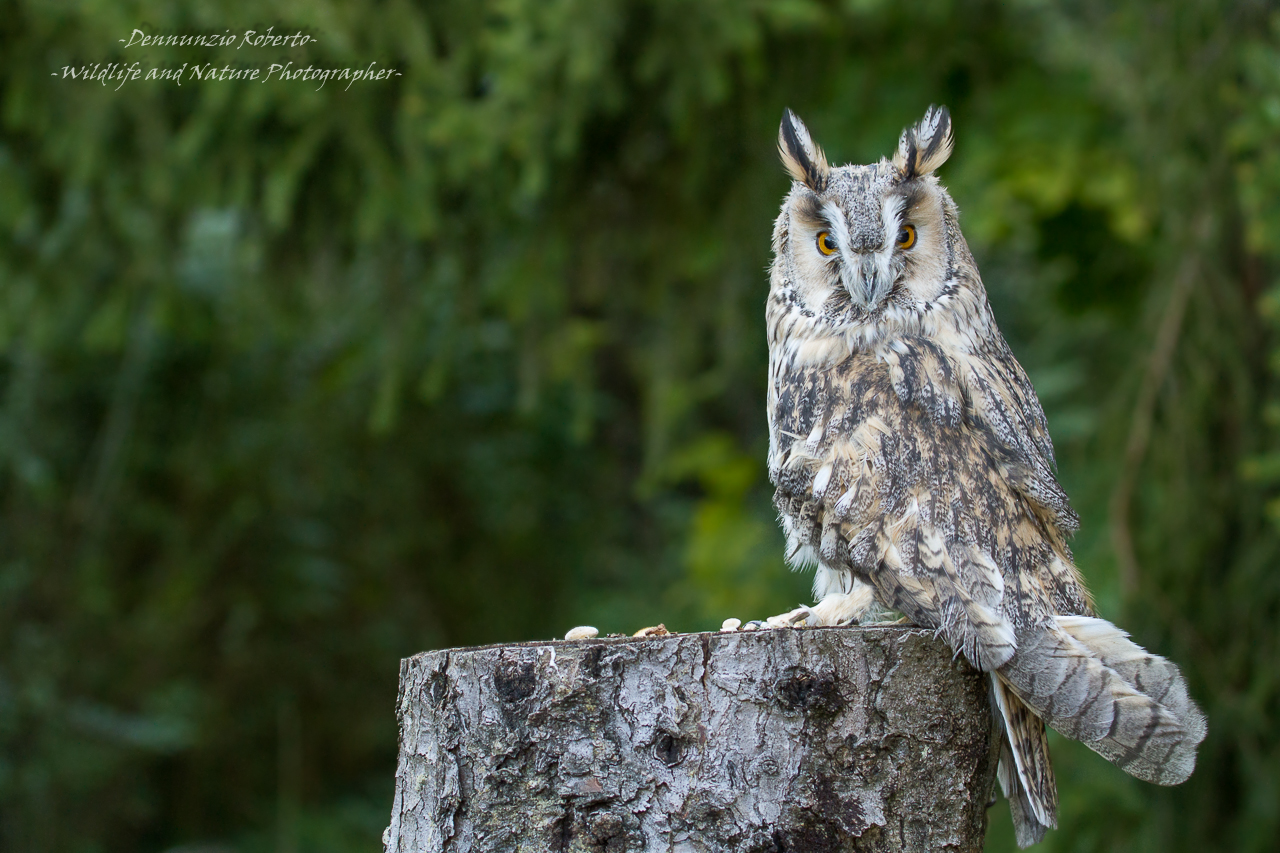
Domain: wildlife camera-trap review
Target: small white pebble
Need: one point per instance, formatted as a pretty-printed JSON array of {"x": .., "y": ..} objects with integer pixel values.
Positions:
[
  {"x": 731, "y": 624},
  {"x": 582, "y": 632}
]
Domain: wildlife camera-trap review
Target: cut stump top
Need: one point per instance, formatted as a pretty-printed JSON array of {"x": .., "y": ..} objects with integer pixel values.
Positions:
[{"x": 808, "y": 740}]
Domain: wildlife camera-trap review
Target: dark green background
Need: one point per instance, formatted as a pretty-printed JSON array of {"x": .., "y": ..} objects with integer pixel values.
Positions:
[{"x": 295, "y": 383}]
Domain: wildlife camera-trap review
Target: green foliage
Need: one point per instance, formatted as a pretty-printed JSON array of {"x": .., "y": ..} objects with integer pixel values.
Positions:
[{"x": 296, "y": 381}]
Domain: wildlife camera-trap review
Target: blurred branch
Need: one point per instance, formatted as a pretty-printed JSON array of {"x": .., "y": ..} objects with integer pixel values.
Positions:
[
  {"x": 103, "y": 474},
  {"x": 1158, "y": 364}
]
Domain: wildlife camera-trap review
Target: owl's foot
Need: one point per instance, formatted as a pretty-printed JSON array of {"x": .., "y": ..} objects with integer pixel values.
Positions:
[
  {"x": 802, "y": 615},
  {"x": 795, "y": 618},
  {"x": 837, "y": 608},
  {"x": 844, "y": 608}
]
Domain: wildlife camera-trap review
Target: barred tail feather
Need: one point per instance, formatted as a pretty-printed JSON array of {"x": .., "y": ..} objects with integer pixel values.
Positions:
[
  {"x": 1027, "y": 829},
  {"x": 1151, "y": 674},
  {"x": 1025, "y": 770},
  {"x": 1084, "y": 690}
]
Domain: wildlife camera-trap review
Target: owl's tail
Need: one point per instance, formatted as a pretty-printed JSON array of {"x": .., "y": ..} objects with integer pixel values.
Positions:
[
  {"x": 1025, "y": 771},
  {"x": 1085, "y": 678}
]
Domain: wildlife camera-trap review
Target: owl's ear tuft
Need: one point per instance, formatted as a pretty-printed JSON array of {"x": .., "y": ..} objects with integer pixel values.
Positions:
[
  {"x": 801, "y": 156},
  {"x": 925, "y": 147}
]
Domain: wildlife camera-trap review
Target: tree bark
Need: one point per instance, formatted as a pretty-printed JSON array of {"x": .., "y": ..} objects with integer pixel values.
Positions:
[{"x": 807, "y": 740}]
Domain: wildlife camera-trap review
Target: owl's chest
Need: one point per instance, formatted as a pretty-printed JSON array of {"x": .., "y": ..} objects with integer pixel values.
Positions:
[
  {"x": 837, "y": 417},
  {"x": 849, "y": 455}
]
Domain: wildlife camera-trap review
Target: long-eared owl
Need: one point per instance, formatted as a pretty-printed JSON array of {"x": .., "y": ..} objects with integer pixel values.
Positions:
[{"x": 914, "y": 468}]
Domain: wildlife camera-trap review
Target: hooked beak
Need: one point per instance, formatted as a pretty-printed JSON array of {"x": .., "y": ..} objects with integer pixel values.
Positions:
[{"x": 871, "y": 279}]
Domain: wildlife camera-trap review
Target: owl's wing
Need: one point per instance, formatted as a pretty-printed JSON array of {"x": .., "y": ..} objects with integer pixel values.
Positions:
[
  {"x": 988, "y": 390},
  {"x": 988, "y": 397}
]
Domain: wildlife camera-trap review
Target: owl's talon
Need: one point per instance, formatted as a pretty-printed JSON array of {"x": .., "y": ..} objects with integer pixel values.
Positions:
[{"x": 801, "y": 616}]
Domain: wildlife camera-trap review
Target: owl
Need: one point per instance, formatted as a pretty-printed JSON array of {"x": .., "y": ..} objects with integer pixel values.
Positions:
[{"x": 913, "y": 468}]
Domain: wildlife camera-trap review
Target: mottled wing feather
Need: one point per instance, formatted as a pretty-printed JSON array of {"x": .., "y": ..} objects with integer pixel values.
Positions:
[
  {"x": 990, "y": 389},
  {"x": 1016, "y": 394}
]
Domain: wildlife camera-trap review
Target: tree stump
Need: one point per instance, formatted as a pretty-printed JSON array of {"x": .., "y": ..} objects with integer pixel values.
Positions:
[{"x": 807, "y": 740}]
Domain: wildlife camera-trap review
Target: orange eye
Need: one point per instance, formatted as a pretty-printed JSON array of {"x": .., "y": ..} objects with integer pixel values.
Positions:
[
  {"x": 826, "y": 245},
  {"x": 906, "y": 236}
]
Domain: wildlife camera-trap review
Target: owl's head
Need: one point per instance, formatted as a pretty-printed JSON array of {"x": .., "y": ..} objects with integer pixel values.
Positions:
[{"x": 865, "y": 251}]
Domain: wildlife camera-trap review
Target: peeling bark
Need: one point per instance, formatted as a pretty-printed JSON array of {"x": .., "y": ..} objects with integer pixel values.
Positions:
[{"x": 807, "y": 740}]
